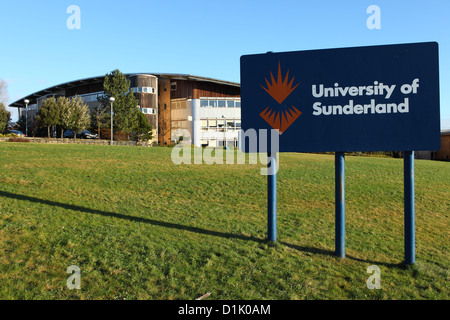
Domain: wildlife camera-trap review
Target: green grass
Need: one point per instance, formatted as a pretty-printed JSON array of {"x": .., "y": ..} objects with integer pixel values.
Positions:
[{"x": 140, "y": 227}]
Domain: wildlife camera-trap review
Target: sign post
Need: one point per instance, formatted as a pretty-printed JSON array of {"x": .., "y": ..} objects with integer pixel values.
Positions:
[
  {"x": 340, "y": 204},
  {"x": 272, "y": 197},
  {"x": 410, "y": 237},
  {"x": 375, "y": 98}
]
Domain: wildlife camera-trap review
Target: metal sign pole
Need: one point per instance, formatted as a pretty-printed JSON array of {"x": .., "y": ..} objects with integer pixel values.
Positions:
[
  {"x": 340, "y": 204},
  {"x": 410, "y": 237},
  {"x": 272, "y": 196}
]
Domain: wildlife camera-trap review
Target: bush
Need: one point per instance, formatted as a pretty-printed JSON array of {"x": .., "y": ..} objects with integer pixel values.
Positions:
[{"x": 17, "y": 139}]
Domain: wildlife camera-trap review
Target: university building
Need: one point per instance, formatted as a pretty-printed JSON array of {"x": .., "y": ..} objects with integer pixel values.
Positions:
[{"x": 209, "y": 109}]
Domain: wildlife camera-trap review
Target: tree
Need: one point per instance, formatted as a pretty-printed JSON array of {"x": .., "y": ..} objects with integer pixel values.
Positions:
[
  {"x": 5, "y": 117},
  {"x": 125, "y": 111},
  {"x": 143, "y": 129},
  {"x": 33, "y": 126},
  {"x": 75, "y": 114},
  {"x": 48, "y": 114},
  {"x": 78, "y": 116},
  {"x": 98, "y": 117},
  {"x": 3, "y": 92},
  {"x": 22, "y": 123},
  {"x": 63, "y": 105}
]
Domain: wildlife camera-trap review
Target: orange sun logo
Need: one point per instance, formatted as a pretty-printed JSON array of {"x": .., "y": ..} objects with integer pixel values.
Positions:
[{"x": 280, "y": 90}]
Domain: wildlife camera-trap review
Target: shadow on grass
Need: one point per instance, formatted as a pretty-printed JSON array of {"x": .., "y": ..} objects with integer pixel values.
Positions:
[
  {"x": 179, "y": 226},
  {"x": 331, "y": 253},
  {"x": 130, "y": 218}
]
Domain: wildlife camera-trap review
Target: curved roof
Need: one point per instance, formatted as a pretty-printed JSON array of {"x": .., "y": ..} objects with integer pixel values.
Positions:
[{"x": 72, "y": 84}]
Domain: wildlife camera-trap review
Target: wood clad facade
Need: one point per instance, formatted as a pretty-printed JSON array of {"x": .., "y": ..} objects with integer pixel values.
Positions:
[
  {"x": 146, "y": 100},
  {"x": 143, "y": 81},
  {"x": 190, "y": 89},
  {"x": 213, "y": 90},
  {"x": 164, "y": 128}
]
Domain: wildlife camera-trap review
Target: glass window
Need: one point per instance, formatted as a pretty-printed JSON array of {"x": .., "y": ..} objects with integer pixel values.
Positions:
[
  {"x": 230, "y": 123},
  {"x": 221, "y": 125},
  {"x": 238, "y": 104},
  {"x": 230, "y": 104},
  {"x": 203, "y": 103},
  {"x": 204, "y": 123},
  {"x": 213, "y": 103},
  {"x": 144, "y": 89},
  {"x": 213, "y": 123},
  {"x": 238, "y": 123},
  {"x": 221, "y": 103}
]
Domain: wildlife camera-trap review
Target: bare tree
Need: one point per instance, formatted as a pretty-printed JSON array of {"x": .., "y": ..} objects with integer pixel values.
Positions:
[
  {"x": 98, "y": 117},
  {"x": 4, "y": 92}
]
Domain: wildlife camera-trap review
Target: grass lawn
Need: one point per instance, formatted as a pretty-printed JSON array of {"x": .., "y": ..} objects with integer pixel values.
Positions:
[{"x": 140, "y": 227}]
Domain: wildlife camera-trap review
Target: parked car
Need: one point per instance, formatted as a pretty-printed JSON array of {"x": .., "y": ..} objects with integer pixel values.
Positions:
[
  {"x": 86, "y": 134},
  {"x": 68, "y": 134},
  {"x": 17, "y": 133}
]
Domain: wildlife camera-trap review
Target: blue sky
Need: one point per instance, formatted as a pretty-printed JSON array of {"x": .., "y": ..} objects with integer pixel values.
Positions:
[{"x": 199, "y": 37}]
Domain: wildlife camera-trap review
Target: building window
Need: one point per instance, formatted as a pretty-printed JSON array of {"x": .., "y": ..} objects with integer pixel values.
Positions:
[
  {"x": 212, "y": 123},
  {"x": 143, "y": 89},
  {"x": 90, "y": 97},
  {"x": 178, "y": 104},
  {"x": 221, "y": 125},
  {"x": 173, "y": 86},
  {"x": 220, "y": 102},
  {"x": 148, "y": 110}
]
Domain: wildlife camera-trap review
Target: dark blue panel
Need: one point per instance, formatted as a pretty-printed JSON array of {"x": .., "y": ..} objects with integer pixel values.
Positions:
[{"x": 290, "y": 96}]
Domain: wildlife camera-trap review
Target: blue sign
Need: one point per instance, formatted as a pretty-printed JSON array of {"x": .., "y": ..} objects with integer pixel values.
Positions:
[{"x": 377, "y": 98}]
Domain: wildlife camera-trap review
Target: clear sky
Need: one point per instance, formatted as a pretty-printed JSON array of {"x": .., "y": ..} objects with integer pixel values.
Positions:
[{"x": 199, "y": 37}]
